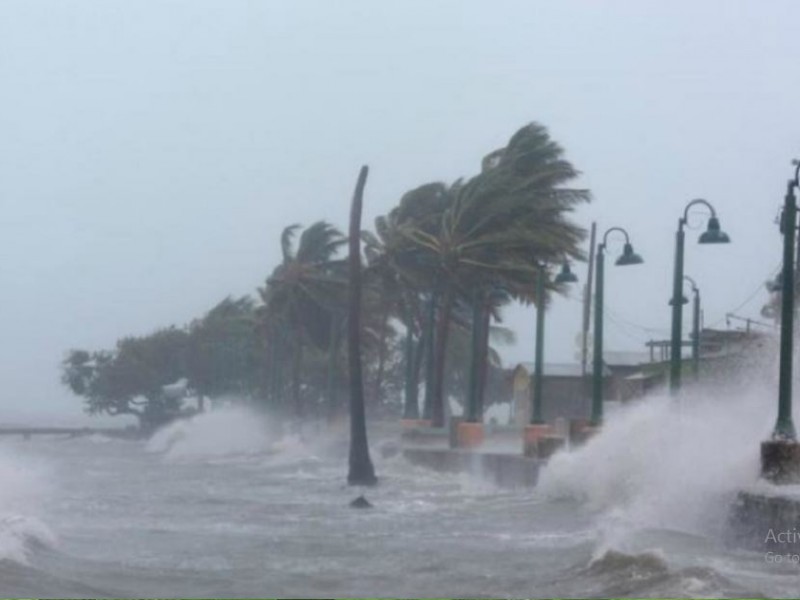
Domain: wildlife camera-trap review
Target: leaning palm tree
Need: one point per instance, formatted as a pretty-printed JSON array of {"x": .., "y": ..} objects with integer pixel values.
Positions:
[
  {"x": 487, "y": 303},
  {"x": 496, "y": 228},
  {"x": 302, "y": 295},
  {"x": 394, "y": 268}
]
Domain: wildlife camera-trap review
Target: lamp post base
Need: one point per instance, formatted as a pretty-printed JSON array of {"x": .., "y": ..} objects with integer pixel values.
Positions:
[
  {"x": 780, "y": 461},
  {"x": 531, "y": 436},
  {"x": 469, "y": 435},
  {"x": 765, "y": 522}
]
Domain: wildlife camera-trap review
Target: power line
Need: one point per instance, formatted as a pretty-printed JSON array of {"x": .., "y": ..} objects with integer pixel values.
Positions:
[
  {"x": 749, "y": 298},
  {"x": 627, "y": 334},
  {"x": 620, "y": 322},
  {"x": 648, "y": 330}
]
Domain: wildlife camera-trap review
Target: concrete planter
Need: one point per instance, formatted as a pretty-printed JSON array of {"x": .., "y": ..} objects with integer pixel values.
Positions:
[
  {"x": 469, "y": 435},
  {"x": 531, "y": 435}
]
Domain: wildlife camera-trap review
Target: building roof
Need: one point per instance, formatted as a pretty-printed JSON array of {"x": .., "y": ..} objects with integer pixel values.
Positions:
[
  {"x": 626, "y": 359},
  {"x": 715, "y": 335},
  {"x": 561, "y": 369},
  {"x": 643, "y": 376}
]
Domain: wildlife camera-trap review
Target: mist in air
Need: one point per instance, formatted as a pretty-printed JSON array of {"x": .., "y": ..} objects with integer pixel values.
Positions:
[{"x": 181, "y": 412}]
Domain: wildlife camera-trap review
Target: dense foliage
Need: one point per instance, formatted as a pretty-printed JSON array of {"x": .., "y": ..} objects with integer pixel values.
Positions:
[{"x": 438, "y": 269}]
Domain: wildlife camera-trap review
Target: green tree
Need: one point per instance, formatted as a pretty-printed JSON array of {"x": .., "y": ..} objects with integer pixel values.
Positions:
[
  {"x": 302, "y": 295},
  {"x": 223, "y": 353},
  {"x": 496, "y": 228},
  {"x": 133, "y": 378},
  {"x": 395, "y": 267}
]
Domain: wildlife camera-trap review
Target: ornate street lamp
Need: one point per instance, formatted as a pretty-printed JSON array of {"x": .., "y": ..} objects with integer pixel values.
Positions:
[
  {"x": 784, "y": 427},
  {"x": 780, "y": 456},
  {"x": 712, "y": 235},
  {"x": 628, "y": 257},
  {"x": 565, "y": 276}
]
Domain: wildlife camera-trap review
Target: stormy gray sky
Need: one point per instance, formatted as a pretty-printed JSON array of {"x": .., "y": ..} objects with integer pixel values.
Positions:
[{"x": 151, "y": 152}]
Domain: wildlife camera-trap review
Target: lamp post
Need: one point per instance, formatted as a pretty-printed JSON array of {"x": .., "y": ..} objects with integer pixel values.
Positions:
[
  {"x": 628, "y": 257},
  {"x": 537, "y": 426},
  {"x": 780, "y": 456},
  {"x": 712, "y": 235},
  {"x": 565, "y": 276},
  {"x": 695, "y": 328},
  {"x": 784, "y": 427},
  {"x": 695, "y": 325}
]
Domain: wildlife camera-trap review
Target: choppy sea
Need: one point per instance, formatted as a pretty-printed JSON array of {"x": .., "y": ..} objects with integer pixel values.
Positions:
[{"x": 217, "y": 507}]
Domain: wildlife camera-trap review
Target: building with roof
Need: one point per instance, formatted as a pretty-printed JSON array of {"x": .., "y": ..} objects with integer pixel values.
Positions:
[
  {"x": 626, "y": 375},
  {"x": 565, "y": 390}
]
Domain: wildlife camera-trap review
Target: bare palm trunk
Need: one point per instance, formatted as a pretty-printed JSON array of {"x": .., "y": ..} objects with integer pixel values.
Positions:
[
  {"x": 333, "y": 346},
  {"x": 440, "y": 354},
  {"x": 271, "y": 375},
  {"x": 430, "y": 366},
  {"x": 281, "y": 367},
  {"x": 411, "y": 405},
  {"x": 471, "y": 410},
  {"x": 361, "y": 471},
  {"x": 486, "y": 318},
  {"x": 297, "y": 398},
  {"x": 378, "y": 384},
  {"x": 279, "y": 399},
  {"x": 419, "y": 355}
]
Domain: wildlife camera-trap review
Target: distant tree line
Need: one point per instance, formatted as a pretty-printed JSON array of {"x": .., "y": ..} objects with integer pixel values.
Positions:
[{"x": 438, "y": 268}]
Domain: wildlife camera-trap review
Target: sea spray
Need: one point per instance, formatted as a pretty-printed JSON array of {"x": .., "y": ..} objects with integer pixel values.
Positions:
[
  {"x": 667, "y": 463},
  {"x": 219, "y": 433},
  {"x": 230, "y": 433},
  {"x": 24, "y": 486}
]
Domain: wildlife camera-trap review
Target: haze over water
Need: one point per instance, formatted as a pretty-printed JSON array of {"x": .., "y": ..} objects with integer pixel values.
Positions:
[{"x": 152, "y": 153}]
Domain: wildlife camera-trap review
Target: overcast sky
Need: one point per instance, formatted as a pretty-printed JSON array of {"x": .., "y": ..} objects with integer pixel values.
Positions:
[{"x": 151, "y": 152}]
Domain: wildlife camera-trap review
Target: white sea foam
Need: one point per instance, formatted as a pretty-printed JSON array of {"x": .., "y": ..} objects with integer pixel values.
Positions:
[
  {"x": 19, "y": 535},
  {"x": 667, "y": 463},
  {"x": 230, "y": 433},
  {"x": 22, "y": 487},
  {"x": 213, "y": 434}
]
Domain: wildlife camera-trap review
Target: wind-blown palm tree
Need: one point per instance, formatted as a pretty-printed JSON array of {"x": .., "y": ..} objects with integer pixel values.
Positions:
[
  {"x": 393, "y": 268},
  {"x": 303, "y": 293},
  {"x": 496, "y": 228}
]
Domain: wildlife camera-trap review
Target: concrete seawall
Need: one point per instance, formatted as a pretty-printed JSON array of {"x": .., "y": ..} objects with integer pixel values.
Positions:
[
  {"x": 503, "y": 470},
  {"x": 765, "y": 521}
]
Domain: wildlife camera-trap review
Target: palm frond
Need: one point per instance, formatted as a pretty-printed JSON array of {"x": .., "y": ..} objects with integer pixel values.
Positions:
[{"x": 286, "y": 241}]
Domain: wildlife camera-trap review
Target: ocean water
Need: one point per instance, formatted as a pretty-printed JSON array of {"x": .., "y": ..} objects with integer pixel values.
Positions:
[{"x": 218, "y": 507}]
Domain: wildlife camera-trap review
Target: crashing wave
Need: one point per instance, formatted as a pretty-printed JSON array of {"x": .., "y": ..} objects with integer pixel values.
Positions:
[
  {"x": 218, "y": 434},
  {"x": 665, "y": 463},
  {"x": 24, "y": 485},
  {"x": 20, "y": 536}
]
